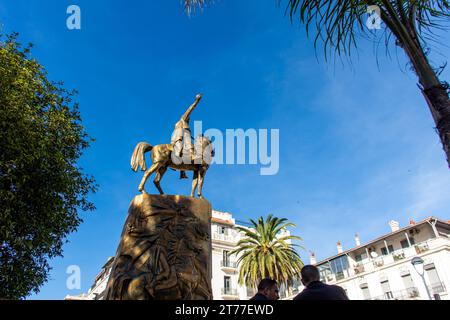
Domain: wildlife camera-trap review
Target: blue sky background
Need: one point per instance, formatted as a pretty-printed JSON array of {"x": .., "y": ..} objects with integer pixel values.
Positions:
[{"x": 357, "y": 145}]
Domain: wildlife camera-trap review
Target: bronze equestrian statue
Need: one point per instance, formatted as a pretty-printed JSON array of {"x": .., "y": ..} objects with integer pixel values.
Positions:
[{"x": 180, "y": 154}]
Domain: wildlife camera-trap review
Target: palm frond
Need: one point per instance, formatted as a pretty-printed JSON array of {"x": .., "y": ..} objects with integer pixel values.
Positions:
[
  {"x": 190, "y": 6},
  {"x": 338, "y": 24},
  {"x": 265, "y": 252}
]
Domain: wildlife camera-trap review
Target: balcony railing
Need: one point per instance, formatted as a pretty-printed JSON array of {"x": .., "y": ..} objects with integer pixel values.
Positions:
[
  {"x": 422, "y": 247},
  {"x": 229, "y": 292},
  {"x": 368, "y": 265},
  {"x": 340, "y": 275},
  {"x": 359, "y": 268},
  {"x": 398, "y": 255},
  {"x": 406, "y": 294},
  {"x": 228, "y": 264},
  {"x": 436, "y": 288},
  {"x": 224, "y": 237}
]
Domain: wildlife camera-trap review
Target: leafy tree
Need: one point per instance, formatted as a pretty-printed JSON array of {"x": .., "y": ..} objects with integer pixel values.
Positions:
[
  {"x": 411, "y": 24},
  {"x": 265, "y": 252},
  {"x": 41, "y": 186}
]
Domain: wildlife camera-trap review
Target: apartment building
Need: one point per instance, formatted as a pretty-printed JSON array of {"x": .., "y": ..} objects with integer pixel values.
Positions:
[{"x": 381, "y": 269}]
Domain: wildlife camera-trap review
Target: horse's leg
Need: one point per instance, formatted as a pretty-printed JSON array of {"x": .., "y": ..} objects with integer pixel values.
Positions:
[
  {"x": 194, "y": 183},
  {"x": 159, "y": 175},
  {"x": 147, "y": 173},
  {"x": 201, "y": 175}
]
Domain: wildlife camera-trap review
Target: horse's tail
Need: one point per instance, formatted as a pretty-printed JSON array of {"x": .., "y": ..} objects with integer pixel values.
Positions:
[{"x": 138, "y": 157}]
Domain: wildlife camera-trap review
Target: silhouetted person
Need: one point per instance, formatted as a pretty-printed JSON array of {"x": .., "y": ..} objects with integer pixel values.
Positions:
[
  {"x": 317, "y": 290},
  {"x": 267, "y": 290}
]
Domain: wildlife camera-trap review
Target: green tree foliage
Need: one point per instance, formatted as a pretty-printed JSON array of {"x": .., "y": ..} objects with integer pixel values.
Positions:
[
  {"x": 265, "y": 252},
  {"x": 41, "y": 186}
]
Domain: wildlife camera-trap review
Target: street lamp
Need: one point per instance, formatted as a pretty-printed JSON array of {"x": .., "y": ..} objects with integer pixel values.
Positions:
[{"x": 417, "y": 263}]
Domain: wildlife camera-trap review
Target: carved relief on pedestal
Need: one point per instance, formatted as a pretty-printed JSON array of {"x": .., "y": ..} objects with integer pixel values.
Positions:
[{"x": 164, "y": 251}]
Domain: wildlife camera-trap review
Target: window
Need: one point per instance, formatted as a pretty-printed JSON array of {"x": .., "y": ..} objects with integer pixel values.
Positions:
[
  {"x": 338, "y": 265},
  {"x": 432, "y": 274},
  {"x": 358, "y": 258},
  {"x": 435, "y": 285},
  {"x": 340, "y": 275},
  {"x": 226, "y": 258},
  {"x": 386, "y": 290},
  {"x": 384, "y": 251},
  {"x": 223, "y": 230},
  {"x": 365, "y": 291},
  {"x": 408, "y": 281},
  {"x": 405, "y": 244},
  {"x": 325, "y": 272},
  {"x": 227, "y": 284}
]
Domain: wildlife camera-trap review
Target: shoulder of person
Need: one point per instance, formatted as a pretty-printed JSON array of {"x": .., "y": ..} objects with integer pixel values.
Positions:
[
  {"x": 299, "y": 296},
  {"x": 334, "y": 286}
]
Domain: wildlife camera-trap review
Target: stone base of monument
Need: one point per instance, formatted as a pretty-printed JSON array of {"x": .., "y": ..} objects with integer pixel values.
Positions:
[{"x": 164, "y": 251}]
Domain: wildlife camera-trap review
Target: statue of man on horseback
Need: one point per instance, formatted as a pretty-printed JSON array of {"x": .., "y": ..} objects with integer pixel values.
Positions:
[
  {"x": 180, "y": 154},
  {"x": 183, "y": 150}
]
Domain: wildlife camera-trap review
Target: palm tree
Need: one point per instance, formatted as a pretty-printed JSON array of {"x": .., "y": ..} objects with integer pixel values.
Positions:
[
  {"x": 412, "y": 24},
  {"x": 265, "y": 252}
]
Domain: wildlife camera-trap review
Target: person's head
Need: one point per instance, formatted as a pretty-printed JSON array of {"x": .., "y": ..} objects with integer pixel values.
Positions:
[
  {"x": 309, "y": 274},
  {"x": 269, "y": 288}
]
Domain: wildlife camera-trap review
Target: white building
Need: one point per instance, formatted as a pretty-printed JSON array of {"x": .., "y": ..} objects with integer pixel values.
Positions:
[
  {"x": 381, "y": 269},
  {"x": 225, "y": 270},
  {"x": 98, "y": 289}
]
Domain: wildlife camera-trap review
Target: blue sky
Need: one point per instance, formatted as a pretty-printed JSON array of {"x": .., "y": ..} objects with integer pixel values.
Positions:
[{"x": 357, "y": 145}]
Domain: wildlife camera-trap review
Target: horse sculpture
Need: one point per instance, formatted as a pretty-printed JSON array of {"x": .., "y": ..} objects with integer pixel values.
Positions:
[{"x": 161, "y": 156}]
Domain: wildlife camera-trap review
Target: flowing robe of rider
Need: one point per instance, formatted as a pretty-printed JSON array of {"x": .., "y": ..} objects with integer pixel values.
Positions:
[{"x": 183, "y": 149}]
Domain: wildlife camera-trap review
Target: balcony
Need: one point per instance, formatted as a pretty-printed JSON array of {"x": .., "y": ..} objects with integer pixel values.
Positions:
[
  {"x": 407, "y": 294},
  {"x": 372, "y": 264},
  {"x": 229, "y": 293},
  {"x": 378, "y": 262},
  {"x": 422, "y": 247},
  {"x": 224, "y": 237},
  {"x": 229, "y": 266},
  {"x": 395, "y": 256},
  {"x": 329, "y": 277},
  {"x": 359, "y": 268},
  {"x": 398, "y": 255},
  {"x": 436, "y": 288},
  {"x": 340, "y": 275}
]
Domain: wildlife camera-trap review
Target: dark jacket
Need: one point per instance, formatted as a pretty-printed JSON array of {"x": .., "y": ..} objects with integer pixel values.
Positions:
[
  {"x": 259, "y": 296},
  {"x": 317, "y": 290}
]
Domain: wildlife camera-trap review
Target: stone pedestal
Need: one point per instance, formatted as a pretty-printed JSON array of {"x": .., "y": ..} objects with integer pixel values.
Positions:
[{"x": 164, "y": 251}]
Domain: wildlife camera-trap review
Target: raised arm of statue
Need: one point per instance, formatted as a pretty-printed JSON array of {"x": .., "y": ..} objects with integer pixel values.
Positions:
[{"x": 188, "y": 112}]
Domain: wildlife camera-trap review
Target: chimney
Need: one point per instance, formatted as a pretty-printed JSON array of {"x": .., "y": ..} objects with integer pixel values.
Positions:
[
  {"x": 394, "y": 225},
  {"x": 312, "y": 258},
  {"x": 357, "y": 240},
  {"x": 412, "y": 222},
  {"x": 339, "y": 247}
]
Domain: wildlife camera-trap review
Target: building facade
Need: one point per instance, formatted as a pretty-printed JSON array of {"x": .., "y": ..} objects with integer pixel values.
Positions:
[
  {"x": 381, "y": 269},
  {"x": 225, "y": 270}
]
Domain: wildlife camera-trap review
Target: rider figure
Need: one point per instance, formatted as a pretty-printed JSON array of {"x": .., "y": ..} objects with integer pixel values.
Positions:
[{"x": 183, "y": 148}]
